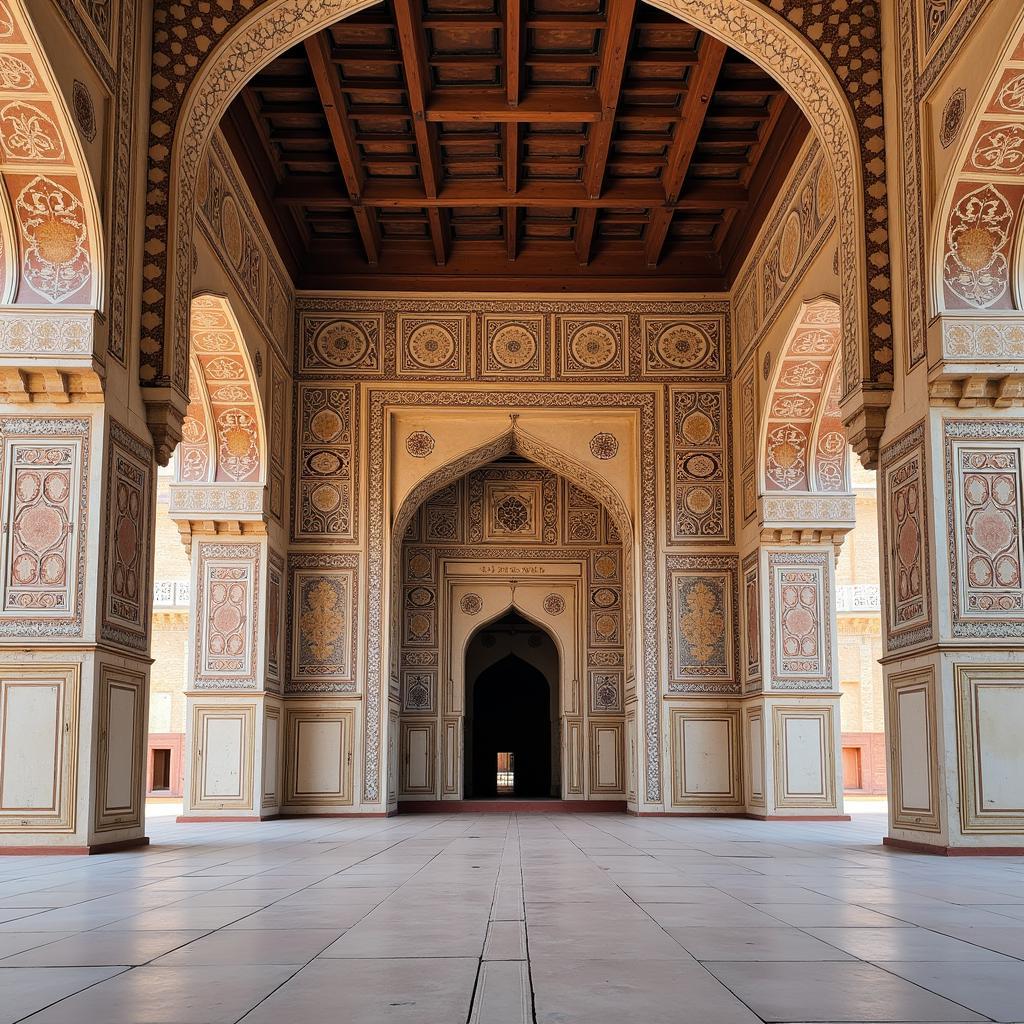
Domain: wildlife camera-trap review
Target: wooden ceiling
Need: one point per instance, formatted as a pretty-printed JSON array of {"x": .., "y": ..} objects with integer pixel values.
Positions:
[{"x": 514, "y": 144}]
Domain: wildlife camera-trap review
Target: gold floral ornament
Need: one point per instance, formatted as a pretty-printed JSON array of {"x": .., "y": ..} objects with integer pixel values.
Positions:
[
  {"x": 322, "y": 624},
  {"x": 702, "y": 625}
]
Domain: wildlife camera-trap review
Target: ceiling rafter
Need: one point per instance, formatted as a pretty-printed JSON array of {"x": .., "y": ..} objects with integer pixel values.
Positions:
[
  {"x": 318, "y": 50},
  {"x": 568, "y": 143},
  {"x": 612, "y": 68},
  {"x": 417, "y": 80},
  {"x": 700, "y": 89}
]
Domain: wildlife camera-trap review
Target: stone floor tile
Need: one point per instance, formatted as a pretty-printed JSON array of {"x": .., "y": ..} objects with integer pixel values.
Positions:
[
  {"x": 102, "y": 949},
  {"x": 502, "y": 994},
  {"x": 755, "y": 944},
  {"x": 993, "y": 989},
  {"x": 613, "y": 991},
  {"x": 399, "y": 991},
  {"x": 259, "y": 946},
  {"x": 506, "y": 940},
  {"x": 880, "y": 945},
  {"x": 169, "y": 995},
  {"x": 27, "y": 989},
  {"x": 833, "y": 992}
]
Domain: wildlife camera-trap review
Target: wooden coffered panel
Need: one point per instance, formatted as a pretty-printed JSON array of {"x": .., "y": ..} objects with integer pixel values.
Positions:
[{"x": 541, "y": 144}]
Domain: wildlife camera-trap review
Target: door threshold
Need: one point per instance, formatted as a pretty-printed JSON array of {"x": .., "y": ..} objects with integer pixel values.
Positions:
[{"x": 510, "y": 805}]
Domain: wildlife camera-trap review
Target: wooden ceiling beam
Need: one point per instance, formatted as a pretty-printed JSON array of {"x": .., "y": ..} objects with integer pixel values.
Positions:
[
  {"x": 541, "y": 104},
  {"x": 417, "y": 79},
  {"x": 613, "y": 54},
  {"x": 321, "y": 192},
  {"x": 318, "y": 50},
  {"x": 700, "y": 89}
]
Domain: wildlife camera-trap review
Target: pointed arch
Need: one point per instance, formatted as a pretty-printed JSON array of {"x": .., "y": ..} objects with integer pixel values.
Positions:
[
  {"x": 188, "y": 102},
  {"x": 517, "y": 607},
  {"x": 803, "y": 448},
  {"x": 229, "y": 399},
  {"x": 517, "y": 441},
  {"x": 977, "y": 256},
  {"x": 54, "y": 226}
]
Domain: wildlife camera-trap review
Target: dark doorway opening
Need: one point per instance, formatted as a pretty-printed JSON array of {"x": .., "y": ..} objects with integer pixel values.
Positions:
[
  {"x": 510, "y": 711},
  {"x": 161, "y": 769}
]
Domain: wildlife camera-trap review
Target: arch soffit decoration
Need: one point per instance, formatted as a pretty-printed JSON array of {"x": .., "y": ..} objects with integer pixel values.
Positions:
[
  {"x": 515, "y": 441},
  {"x": 513, "y": 605},
  {"x": 224, "y": 433},
  {"x": 977, "y": 237},
  {"x": 53, "y": 220},
  {"x": 798, "y": 450},
  {"x": 190, "y": 96}
]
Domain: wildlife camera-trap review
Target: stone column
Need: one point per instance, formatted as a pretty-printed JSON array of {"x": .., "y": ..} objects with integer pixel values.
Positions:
[
  {"x": 791, "y": 727},
  {"x": 233, "y": 737},
  {"x": 76, "y": 510},
  {"x": 951, "y": 511}
]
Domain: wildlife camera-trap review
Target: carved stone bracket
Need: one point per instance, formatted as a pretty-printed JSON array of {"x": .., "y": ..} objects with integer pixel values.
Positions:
[
  {"x": 50, "y": 385},
  {"x": 165, "y": 415},
  {"x": 800, "y": 519},
  {"x": 976, "y": 360},
  {"x": 189, "y": 528},
  {"x": 864, "y": 418}
]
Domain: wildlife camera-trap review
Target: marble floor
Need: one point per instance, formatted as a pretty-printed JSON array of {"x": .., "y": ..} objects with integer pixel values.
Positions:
[{"x": 496, "y": 919}]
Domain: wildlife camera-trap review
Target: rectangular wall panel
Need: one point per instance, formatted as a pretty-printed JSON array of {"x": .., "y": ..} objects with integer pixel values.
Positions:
[
  {"x": 38, "y": 748},
  {"x": 122, "y": 749},
  {"x": 755, "y": 754},
  {"x": 418, "y": 758},
  {"x": 606, "y": 757},
  {"x": 222, "y": 766},
  {"x": 271, "y": 756},
  {"x": 804, "y": 760},
  {"x": 574, "y": 756},
  {"x": 914, "y": 795},
  {"x": 320, "y": 746},
  {"x": 990, "y": 722},
  {"x": 705, "y": 756}
]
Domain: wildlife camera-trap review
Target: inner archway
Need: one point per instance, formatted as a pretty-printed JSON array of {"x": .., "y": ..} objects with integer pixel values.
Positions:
[{"x": 511, "y": 723}]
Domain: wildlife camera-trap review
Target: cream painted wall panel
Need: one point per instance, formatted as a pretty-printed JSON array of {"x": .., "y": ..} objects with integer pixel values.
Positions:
[
  {"x": 755, "y": 745},
  {"x": 1000, "y": 710},
  {"x": 319, "y": 757},
  {"x": 606, "y": 756},
  {"x": 30, "y": 750},
  {"x": 706, "y": 757},
  {"x": 418, "y": 744},
  {"x": 223, "y": 739},
  {"x": 121, "y": 740},
  {"x": 271, "y": 757},
  {"x": 914, "y": 750},
  {"x": 803, "y": 746}
]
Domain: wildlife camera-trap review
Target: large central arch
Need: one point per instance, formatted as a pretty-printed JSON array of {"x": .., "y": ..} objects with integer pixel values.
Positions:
[{"x": 190, "y": 97}]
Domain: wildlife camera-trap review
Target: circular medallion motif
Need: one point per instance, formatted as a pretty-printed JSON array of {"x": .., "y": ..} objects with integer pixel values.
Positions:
[
  {"x": 341, "y": 343},
  {"x": 85, "y": 112},
  {"x": 554, "y": 604},
  {"x": 604, "y": 597},
  {"x": 326, "y": 425},
  {"x": 593, "y": 346},
  {"x": 697, "y": 428},
  {"x": 471, "y": 604},
  {"x": 700, "y": 466},
  {"x": 952, "y": 117},
  {"x": 419, "y": 444},
  {"x": 683, "y": 346},
  {"x": 419, "y": 625},
  {"x": 975, "y": 248},
  {"x": 789, "y": 245},
  {"x": 605, "y": 567},
  {"x": 604, "y": 446},
  {"x": 420, "y": 597},
  {"x": 325, "y": 498},
  {"x": 699, "y": 500},
  {"x": 419, "y": 565},
  {"x": 604, "y": 625},
  {"x": 513, "y": 347},
  {"x": 431, "y": 345},
  {"x": 325, "y": 463},
  {"x": 231, "y": 230}
]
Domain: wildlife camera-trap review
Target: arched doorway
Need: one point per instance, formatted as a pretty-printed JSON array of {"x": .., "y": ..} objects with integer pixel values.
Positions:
[{"x": 511, "y": 731}]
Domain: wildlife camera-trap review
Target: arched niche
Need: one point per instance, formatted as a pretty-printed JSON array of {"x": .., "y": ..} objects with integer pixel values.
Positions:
[
  {"x": 224, "y": 435},
  {"x": 51, "y": 224},
  {"x": 803, "y": 448},
  {"x": 977, "y": 264},
  {"x": 189, "y": 99}
]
